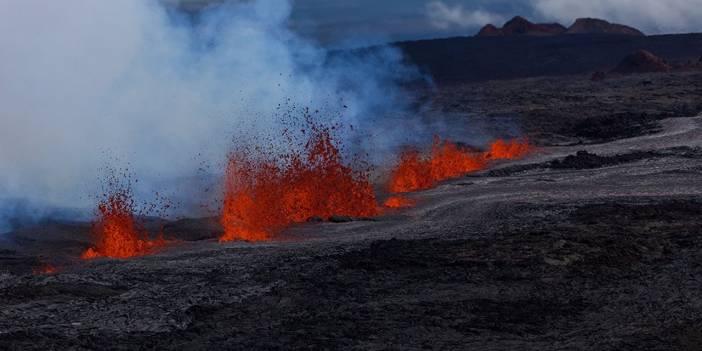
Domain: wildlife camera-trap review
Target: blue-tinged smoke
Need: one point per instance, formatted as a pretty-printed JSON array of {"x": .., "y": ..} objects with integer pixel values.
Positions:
[{"x": 163, "y": 91}]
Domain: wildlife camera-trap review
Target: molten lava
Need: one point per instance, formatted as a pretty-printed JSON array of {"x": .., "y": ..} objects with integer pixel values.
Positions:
[
  {"x": 118, "y": 232},
  {"x": 45, "y": 270},
  {"x": 448, "y": 160},
  {"x": 263, "y": 196},
  {"x": 399, "y": 202},
  {"x": 509, "y": 150}
]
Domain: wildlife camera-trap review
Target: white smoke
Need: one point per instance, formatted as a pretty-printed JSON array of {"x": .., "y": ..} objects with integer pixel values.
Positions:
[
  {"x": 444, "y": 16},
  {"x": 163, "y": 92}
]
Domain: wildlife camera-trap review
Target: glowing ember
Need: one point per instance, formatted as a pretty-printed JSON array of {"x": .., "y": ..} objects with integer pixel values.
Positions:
[
  {"x": 448, "y": 160},
  {"x": 118, "y": 233},
  {"x": 45, "y": 270},
  {"x": 263, "y": 197},
  {"x": 399, "y": 202}
]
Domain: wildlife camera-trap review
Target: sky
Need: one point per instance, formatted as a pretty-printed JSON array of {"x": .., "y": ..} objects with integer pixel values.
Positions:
[{"x": 362, "y": 22}]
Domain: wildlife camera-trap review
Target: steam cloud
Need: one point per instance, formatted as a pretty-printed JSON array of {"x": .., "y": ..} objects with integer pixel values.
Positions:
[
  {"x": 164, "y": 92},
  {"x": 445, "y": 16}
]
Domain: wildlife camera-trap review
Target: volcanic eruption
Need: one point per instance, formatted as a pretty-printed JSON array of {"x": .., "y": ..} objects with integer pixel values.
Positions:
[
  {"x": 119, "y": 233},
  {"x": 263, "y": 195},
  {"x": 448, "y": 160}
]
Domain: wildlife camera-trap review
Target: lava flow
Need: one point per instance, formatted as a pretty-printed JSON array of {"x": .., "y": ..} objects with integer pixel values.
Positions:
[
  {"x": 399, "y": 202},
  {"x": 119, "y": 234},
  {"x": 448, "y": 160},
  {"x": 263, "y": 196}
]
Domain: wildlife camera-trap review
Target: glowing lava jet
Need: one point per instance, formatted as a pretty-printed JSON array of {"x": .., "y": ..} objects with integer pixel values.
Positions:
[
  {"x": 448, "y": 160},
  {"x": 119, "y": 235},
  {"x": 263, "y": 195}
]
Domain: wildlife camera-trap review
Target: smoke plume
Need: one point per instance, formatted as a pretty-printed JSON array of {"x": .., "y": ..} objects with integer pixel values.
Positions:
[
  {"x": 161, "y": 91},
  {"x": 445, "y": 16}
]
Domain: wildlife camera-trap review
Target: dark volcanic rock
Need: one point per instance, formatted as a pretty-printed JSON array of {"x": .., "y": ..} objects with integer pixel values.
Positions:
[
  {"x": 315, "y": 219},
  {"x": 557, "y": 111},
  {"x": 586, "y": 160},
  {"x": 642, "y": 61},
  {"x": 598, "y": 76},
  {"x": 521, "y": 26},
  {"x": 613, "y": 126},
  {"x": 193, "y": 229},
  {"x": 484, "y": 58},
  {"x": 489, "y": 31},
  {"x": 598, "y": 26},
  {"x": 552, "y": 28},
  {"x": 340, "y": 219}
]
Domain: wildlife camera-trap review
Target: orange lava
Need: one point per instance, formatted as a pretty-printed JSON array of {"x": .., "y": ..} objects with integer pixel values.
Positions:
[
  {"x": 509, "y": 150},
  {"x": 117, "y": 231},
  {"x": 262, "y": 197},
  {"x": 399, "y": 202},
  {"x": 45, "y": 270},
  {"x": 448, "y": 160}
]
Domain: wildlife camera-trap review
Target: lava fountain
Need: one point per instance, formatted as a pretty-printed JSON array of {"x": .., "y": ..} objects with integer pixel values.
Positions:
[
  {"x": 118, "y": 232},
  {"x": 263, "y": 195},
  {"x": 448, "y": 160},
  {"x": 509, "y": 150}
]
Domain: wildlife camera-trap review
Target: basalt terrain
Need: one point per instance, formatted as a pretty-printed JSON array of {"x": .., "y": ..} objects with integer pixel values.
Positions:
[
  {"x": 590, "y": 243},
  {"x": 484, "y": 58}
]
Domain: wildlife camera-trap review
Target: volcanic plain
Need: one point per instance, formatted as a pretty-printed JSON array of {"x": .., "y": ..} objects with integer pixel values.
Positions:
[{"x": 590, "y": 243}]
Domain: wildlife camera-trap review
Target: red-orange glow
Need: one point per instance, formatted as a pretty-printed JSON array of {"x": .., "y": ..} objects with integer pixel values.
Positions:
[
  {"x": 399, "y": 202},
  {"x": 411, "y": 173},
  {"x": 263, "y": 197},
  {"x": 45, "y": 270},
  {"x": 509, "y": 150},
  {"x": 117, "y": 231},
  {"x": 448, "y": 160}
]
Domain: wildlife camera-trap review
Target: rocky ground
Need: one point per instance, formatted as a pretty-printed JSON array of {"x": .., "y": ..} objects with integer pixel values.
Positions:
[
  {"x": 590, "y": 244},
  {"x": 570, "y": 110}
]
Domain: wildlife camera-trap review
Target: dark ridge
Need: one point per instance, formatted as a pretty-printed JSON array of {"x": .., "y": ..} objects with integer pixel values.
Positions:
[
  {"x": 598, "y": 26},
  {"x": 466, "y": 59},
  {"x": 490, "y": 30},
  {"x": 556, "y": 28},
  {"x": 521, "y": 26}
]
